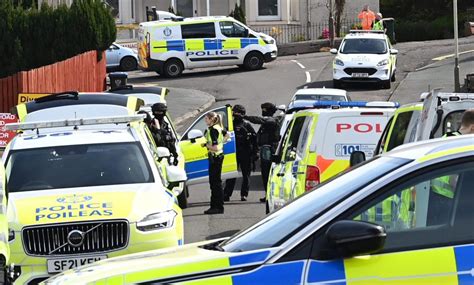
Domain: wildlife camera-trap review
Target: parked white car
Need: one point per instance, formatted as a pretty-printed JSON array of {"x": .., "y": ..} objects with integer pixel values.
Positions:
[{"x": 123, "y": 57}]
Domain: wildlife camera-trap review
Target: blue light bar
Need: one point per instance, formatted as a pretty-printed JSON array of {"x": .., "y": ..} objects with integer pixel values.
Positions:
[{"x": 361, "y": 104}]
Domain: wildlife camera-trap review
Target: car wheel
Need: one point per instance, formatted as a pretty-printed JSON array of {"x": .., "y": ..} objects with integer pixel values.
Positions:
[
  {"x": 386, "y": 84},
  {"x": 253, "y": 61},
  {"x": 393, "y": 78},
  {"x": 173, "y": 68},
  {"x": 128, "y": 63},
  {"x": 336, "y": 83},
  {"x": 183, "y": 198}
]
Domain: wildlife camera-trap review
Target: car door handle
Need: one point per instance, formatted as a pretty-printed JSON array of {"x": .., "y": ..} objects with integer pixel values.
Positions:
[
  {"x": 297, "y": 173},
  {"x": 280, "y": 174}
]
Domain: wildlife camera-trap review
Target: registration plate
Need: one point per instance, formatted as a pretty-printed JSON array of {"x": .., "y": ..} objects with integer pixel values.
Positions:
[
  {"x": 58, "y": 265},
  {"x": 360, "y": 75}
]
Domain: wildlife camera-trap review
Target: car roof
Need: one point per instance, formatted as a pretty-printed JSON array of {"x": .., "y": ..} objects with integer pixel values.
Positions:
[
  {"x": 64, "y": 136},
  {"x": 321, "y": 91},
  {"x": 433, "y": 148},
  {"x": 365, "y": 35},
  {"x": 355, "y": 110},
  {"x": 187, "y": 21}
]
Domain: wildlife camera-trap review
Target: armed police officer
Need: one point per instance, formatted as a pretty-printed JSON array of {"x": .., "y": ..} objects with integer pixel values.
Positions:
[
  {"x": 164, "y": 134},
  {"x": 268, "y": 136},
  {"x": 246, "y": 142}
]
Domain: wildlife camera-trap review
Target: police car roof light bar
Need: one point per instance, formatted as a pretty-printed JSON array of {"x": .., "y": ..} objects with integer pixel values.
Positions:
[
  {"x": 362, "y": 104},
  {"x": 74, "y": 122}
]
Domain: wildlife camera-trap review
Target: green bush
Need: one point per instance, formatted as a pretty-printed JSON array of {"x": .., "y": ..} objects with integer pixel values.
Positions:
[
  {"x": 32, "y": 38},
  {"x": 238, "y": 13},
  {"x": 440, "y": 28}
]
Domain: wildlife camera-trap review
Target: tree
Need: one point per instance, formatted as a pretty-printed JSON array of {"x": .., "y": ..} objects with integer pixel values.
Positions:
[{"x": 338, "y": 15}]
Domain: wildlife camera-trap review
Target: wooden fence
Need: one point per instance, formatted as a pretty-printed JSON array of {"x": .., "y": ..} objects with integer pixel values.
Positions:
[{"x": 80, "y": 73}]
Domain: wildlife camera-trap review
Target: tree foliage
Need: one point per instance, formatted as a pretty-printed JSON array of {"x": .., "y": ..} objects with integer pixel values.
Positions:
[
  {"x": 238, "y": 13},
  {"x": 32, "y": 38}
]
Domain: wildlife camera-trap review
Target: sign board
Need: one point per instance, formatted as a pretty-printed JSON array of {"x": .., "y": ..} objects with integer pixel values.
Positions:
[
  {"x": 27, "y": 97},
  {"x": 6, "y": 136}
]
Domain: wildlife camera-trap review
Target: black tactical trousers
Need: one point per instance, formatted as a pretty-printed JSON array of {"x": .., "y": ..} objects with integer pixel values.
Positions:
[
  {"x": 244, "y": 162},
  {"x": 215, "y": 181}
]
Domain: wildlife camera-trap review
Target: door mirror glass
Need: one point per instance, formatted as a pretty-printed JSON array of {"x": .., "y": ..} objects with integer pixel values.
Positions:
[
  {"x": 351, "y": 238},
  {"x": 163, "y": 152},
  {"x": 333, "y": 51},
  {"x": 195, "y": 134},
  {"x": 357, "y": 157}
]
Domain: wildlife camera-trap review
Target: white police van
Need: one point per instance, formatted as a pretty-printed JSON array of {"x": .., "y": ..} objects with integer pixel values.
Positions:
[{"x": 169, "y": 47}]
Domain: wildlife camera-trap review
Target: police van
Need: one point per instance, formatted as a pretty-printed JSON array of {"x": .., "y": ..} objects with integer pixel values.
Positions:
[
  {"x": 318, "y": 143},
  {"x": 169, "y": 47}
]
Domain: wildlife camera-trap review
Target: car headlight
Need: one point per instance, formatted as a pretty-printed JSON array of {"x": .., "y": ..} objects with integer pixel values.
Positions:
[
  {"x": 268, "y": 41},
  {"x": 339, "y": 62},
  {"x": 383, "y": 62},
  {"x": 157, "y": 221}
]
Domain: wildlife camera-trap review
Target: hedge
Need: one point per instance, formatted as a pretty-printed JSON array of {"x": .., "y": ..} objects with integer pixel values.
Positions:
[
  {"x": 33, "y": 38},
  {"x": 422, "y": 30}
]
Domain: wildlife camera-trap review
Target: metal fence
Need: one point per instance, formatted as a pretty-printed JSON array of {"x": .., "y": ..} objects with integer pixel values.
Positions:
[{"x": 291, "y": 33}]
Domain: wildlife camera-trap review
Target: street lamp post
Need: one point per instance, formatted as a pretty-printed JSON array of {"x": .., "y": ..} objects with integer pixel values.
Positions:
[
  {"x": 457, "y": 86},
  {"x": 208, "y": 10},
  {"x": 331, "y": 26}
]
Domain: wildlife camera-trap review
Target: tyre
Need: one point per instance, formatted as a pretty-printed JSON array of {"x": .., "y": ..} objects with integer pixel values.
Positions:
[
  {"x": 183, "y": 198},
  {"x": 336, "y": 83},
  {"x": 393, "y": 78},
  {"x": 267, "y": 208},
  {"x": 128, "y": 63},
  {"x": 173, "y": 68},
  {"x": 253, "y": 61},
  {"x": 386, "y": 84}
]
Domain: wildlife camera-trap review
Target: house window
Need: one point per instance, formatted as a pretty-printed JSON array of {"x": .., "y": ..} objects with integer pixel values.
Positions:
[{"x": 268, "y": 9}]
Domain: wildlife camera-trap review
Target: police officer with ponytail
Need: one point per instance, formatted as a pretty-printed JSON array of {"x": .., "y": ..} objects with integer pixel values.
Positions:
[{"x": 215, "y": 137}]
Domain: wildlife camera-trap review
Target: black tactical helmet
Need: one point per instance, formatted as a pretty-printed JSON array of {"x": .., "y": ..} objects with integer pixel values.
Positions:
[
  {"x": 269, "y": 106},
  {"x": 159, "y": 107},
  {"x": 239, "y": 109}
]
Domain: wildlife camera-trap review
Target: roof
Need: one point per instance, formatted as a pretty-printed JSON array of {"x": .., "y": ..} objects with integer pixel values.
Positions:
[
  {"x": 321, "y": 91},
  {"x": 365, "y": 35},
  {"x": 355, "y": 110},
  {"x": 430, "y": 149},
  {"x": 187, "y": 21}
]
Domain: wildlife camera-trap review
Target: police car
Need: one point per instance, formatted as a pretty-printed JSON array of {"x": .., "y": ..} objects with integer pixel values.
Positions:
[
  {"x": 169, "y": 47},
  {"x": 82, "y": 189},
  {"x": 379, "y": 222},
  {"x": 365, "y": 56},
  {"x": 318, "y": 143}
]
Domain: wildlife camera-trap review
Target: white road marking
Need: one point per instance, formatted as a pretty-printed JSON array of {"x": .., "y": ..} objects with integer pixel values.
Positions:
[
  {"x": 450, "y": 55},
  {"x": 308, "y": 77},
  {"x": 299, "y": 64}
]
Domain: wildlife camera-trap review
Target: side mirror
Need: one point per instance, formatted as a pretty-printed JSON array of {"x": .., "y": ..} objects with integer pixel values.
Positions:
[
  {"x": 282, "y": 107},
  {"x": 195, "y": 134},
  {"x": 276, "y": 158},
  {"x": 291, "y": 156},
  {"x": 333, "y": 51},
  {"x": 163, "y": 152},
  {"x": 356, "y": 157},
  {"x": 393, "y": 51},
  {"x": 175, "y": 174},
  {"x": 351, "y": 238}
]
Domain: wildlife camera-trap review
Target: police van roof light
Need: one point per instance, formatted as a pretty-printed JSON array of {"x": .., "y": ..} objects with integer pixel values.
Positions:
[
  {"x": 368, "y": 31},
  {"x": 363, "y": 104},
  {"x": 74, "y": 122}
]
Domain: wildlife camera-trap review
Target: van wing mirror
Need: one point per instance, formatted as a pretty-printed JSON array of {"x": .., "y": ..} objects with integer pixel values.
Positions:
[
  {"x": 163, "y": 152},
  {"x": 276, "y": 158},
  {"x": 195, "y": 134},
  {"x": 333, "y": 51},
  {"x": 357, "y": 157}
]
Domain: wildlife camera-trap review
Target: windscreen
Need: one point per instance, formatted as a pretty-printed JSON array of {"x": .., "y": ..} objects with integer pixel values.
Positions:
[
  {"x": 373, "y": 46},
  {"x": 77, "y": 166},
  {"x": 320, "y": 97}
]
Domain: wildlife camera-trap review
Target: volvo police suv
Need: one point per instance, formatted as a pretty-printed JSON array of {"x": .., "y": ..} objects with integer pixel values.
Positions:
[
  {"x": 365, "y": 56},
  {"x": 83, "y": 190}
]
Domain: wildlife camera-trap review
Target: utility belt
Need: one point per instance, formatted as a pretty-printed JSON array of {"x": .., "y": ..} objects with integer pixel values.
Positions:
[{"x": 212, "y": 156}]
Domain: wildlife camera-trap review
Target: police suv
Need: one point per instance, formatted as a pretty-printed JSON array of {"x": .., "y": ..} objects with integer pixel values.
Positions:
[
  {"x": 169, "y": 47},
  {"x": 365, "y": 56},
  {"x": 82, "y": 189}
]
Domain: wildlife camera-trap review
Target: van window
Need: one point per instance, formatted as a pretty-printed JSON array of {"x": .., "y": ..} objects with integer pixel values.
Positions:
[
  {"x": 383, "y": 138},
  {"x": 294, "y": 136},
  {"x": 233, "y": 30},
  {"x": 452, "y": 122},
  {"x": 399, "y": 130},
  {"x": 197, "y": 31},
  {"x": 303, "y": 140}
]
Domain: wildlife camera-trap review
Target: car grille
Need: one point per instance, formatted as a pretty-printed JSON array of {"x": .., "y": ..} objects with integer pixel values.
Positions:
[
  {"x": 99, "y": 236},
  {"x": 351, "y": 70}
]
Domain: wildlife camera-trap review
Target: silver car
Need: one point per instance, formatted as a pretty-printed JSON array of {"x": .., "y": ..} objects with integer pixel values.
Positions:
[{"x": 123, "y": 57}]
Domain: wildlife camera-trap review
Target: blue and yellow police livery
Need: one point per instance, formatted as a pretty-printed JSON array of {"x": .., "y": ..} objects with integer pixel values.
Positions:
[
  {"x": 379, "y": 223},
  {"x": 169, "y": 47}
]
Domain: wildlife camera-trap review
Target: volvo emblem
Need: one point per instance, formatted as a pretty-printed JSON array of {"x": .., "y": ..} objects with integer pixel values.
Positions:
[{"x": 75, "y": 238}]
